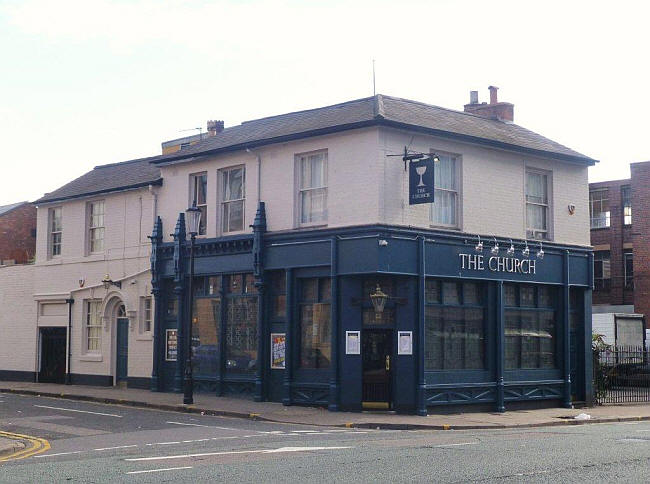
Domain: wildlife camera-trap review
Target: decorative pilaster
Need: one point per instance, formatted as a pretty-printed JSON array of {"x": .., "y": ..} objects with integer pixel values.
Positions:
[
  {"x": 334, "y": 379},
  {"x": 566, "y": 340},
  {"x": 500, "y": 348},
  {"x": 421, "y": 388},
  {"x": 259, "y": 228},
  {"x": 288, "y": 370},
  {"x": 179, "y": 293},
  {"x": 156, "y": 241}
]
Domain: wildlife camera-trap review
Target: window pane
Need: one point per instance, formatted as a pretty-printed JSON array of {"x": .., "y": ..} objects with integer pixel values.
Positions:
[
  {"x": 445, "y": 173},
  {"x": 536, "y": 217},
  {"x": 450, "y": 293},
  {"x": 432, "y": 291},
  {"x": 315, "y": 335},
  {"x": 454, "y": 338},
  {"x": 314, "y": 203},
  {"x": 510, "y": 294},
  {"x": 443, "y": 210},
  {"x": 241, "y": 334},
  {"x": 536, "y": 188},
  {"x": 309, "y": 289},
  {"x": 471, "y": 293},
  {"x": 526, "y": 295},
  {"x": 206, "y": 323}
]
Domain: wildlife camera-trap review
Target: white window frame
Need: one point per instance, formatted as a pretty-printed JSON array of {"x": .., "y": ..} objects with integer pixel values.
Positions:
[
  {"x": 52, "y": 232},
  {"x": 627, "y": 208},
  {"x": 92, "y": 306},
  {"x": 548, "y": 232},
  {"x": 628, "y": 280},
  {"x": 301, "y": 191},
  {"x": 146, "y": 311},
  {"x": 224, "y": 176},
  {"x": 457, "y": 171},
  {"x": 92, "y": 227},
  {"x": 193, "y": 192},
  {"x": 606, "y": 216}
]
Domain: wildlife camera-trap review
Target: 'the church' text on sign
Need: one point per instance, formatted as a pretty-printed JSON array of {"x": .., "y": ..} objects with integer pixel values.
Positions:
[{"x": 476, "y": 262}]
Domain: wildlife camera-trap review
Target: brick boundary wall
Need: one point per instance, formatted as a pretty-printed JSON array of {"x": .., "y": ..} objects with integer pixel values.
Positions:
[{"x": 18, "y": 234}]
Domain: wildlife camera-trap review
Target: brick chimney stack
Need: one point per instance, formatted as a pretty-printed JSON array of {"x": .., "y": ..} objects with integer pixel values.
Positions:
[
  {"x": 214, "y": 127},
  {"x": 495, "y": 110}
]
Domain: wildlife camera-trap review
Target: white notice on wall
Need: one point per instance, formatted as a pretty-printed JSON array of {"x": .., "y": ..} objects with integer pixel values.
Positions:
[
  {"x": 405, "y": 343},
  {"x": 353, "y": 342}
]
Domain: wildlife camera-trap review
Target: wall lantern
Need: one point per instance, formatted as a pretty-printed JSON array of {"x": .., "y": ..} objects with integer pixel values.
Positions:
[
  {"x": 378, "y": 299},
  {"x": 108, "y": 282},
  {"x": 479, "y": 246},
  {"x": 526, "y": 251},
  {"x": 540, "y": 252},
  {"x": 495, "y": 249}
]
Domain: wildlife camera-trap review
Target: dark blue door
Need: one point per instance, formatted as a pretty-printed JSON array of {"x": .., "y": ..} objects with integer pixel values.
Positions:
[{"x": 122, "y": 348}]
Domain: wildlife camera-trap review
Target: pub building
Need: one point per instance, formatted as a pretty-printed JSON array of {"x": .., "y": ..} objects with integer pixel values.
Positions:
[{"x": 419, "y": 307}]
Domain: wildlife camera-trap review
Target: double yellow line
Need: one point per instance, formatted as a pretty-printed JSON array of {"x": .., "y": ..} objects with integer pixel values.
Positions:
[{"x": 37, "y": 446}]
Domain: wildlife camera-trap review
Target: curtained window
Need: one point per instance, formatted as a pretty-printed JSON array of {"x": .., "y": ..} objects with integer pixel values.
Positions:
[
  {"x": 537, "y": 223},
  {"x": 444, "y": 209}
]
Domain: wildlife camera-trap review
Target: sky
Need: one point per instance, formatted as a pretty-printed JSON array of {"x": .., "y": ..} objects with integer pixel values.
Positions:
[{"x": 85, "y": 82}]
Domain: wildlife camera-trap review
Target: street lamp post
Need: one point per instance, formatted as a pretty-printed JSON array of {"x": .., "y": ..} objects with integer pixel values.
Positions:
[{"x": 193, "y": 216}]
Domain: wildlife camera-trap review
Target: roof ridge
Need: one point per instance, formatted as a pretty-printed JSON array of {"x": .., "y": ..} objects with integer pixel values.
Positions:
[{"x": 305, "y": 110}]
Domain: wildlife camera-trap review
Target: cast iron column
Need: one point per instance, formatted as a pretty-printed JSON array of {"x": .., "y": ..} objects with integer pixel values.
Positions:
[
  {"x": 288, "y": 344},
  {"x": 156, "y": 239},
  {"x": 259, "y": 227},
  {"x": 179, "y": 293}
]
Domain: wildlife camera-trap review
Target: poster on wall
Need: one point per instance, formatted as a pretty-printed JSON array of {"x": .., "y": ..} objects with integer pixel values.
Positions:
[
  {"x": 171, "y": 345},
  {"x": 278, "y": 351},
  {"x": 353, "y": 342},
  {"x": 404, "y": 342}
]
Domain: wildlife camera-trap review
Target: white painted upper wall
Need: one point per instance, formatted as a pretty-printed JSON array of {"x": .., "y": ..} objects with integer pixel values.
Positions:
[{"x": 367, "y": 186}]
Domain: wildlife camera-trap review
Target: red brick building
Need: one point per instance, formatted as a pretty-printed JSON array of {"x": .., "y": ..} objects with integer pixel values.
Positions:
[
  {"x": 17, "y": 233},
  {"x": 620, "y": 233}
]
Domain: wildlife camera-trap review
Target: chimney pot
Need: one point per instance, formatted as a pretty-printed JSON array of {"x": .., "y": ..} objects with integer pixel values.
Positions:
[
  {"x": 493, "y": 94},
  {"x": 214, "y": 127},
  {"x": 473, "y": 97}
]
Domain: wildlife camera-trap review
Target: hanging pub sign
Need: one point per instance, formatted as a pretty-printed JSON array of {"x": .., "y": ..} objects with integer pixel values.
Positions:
[{"x": 421, "y": 181}]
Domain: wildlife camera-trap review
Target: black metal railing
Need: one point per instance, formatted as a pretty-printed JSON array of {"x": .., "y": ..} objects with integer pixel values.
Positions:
[{"x": 622, "y": 375}]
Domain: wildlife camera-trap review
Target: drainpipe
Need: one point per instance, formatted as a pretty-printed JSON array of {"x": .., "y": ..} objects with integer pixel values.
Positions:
[{"x": 68, "y": 376}]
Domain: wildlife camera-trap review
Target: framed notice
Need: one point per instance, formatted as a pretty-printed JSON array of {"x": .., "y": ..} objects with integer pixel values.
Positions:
[
  {"x": 405, "y": 342},
  {"x": 171, "y": 345},
  {"x": 278, "y": 351},
  {"x": 353, "y": 342}
]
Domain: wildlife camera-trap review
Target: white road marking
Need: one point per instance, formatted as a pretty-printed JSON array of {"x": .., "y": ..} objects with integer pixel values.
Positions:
[
  {"x": 198, "y": 425},
  {"x": 60, "y": 453},
  {"x": 303, "y": 431},
  {"x": 118, "y": 447},
  {"x": 160, "y": 470},
  {"x": 455, "y": 445},
  {"x": 79, "y": 411},
  {"x": 234, "y": 452},
  {"x": 633, "y": 440}
]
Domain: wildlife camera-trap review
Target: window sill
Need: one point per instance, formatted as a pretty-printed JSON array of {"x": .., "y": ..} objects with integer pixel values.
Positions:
[
  {"x": 600, "y": 228},
  {"x": 144, "y": 337},
  {"x": 91, "y": 357},
  {"x": 454, "y": 228}
]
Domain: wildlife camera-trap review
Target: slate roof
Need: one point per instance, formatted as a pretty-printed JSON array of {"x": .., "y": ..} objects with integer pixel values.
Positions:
[
  {"x": 379, "y": 110},
  {"x": 8, "y": 208},
  {"x": 108, "y": 178}
]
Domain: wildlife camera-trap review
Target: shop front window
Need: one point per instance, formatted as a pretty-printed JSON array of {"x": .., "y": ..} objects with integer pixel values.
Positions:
[
  {"x": 315, "y": 322},
  {"x": 454, "y": 325},
  {"x": 241, "y": 324},
  {"x": 530, "y": 327},
  {"x": 206, "y": 324}
]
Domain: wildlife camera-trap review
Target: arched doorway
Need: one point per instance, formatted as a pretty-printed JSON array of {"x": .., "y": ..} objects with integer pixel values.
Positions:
[{"x": 122, "y": 345}]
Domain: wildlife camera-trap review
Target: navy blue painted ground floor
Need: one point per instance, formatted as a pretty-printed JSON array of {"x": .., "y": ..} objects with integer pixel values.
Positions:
[{"x": 375, "y": 317}]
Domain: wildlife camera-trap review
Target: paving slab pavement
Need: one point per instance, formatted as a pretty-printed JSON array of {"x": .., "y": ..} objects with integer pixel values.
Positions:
[
  {"x": 8, "y": 446},
  {"x": 276, "y": 412}
]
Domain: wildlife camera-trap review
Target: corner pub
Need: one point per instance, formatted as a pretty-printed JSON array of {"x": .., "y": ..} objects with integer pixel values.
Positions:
[{"x": 316, "y": 283}]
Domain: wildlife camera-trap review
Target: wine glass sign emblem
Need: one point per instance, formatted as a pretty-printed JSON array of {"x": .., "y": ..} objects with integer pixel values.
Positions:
[{"x": 421, "y": 170}]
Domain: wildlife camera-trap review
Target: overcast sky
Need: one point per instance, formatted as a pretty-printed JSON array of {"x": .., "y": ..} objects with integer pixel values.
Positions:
[{"x": 86, "y": 82}]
